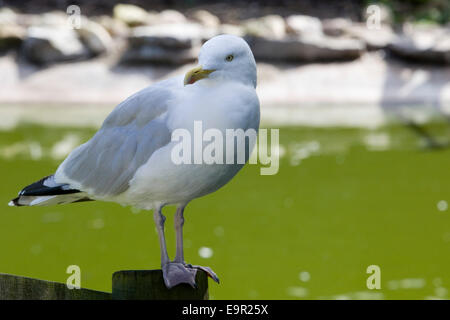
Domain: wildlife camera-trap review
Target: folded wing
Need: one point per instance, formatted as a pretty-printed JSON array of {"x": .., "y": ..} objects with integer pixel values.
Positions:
[{"x": 136, "y": 128}]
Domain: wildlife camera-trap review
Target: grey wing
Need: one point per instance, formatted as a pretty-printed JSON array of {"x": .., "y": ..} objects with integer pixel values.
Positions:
[{"x": 136, "y": 128}]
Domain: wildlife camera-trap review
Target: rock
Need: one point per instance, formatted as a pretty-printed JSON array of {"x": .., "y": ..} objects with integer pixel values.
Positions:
[
  {"x": 7, "y": 16},
  {"x": 155, "y": 54},
  {"x": 423, "y": 44},
  {"x": 303, "y": 25},
  {"x": 11, "y": 36},
  {"x": 185, "y": 35},
  {"x": 28, "y": 20},
  {"x": 171, "y": 16},
  {"x": 94, "y": 36},
  {"x": 336, "y": 27},
  {"x": 167, "y": 43},
  {"x": 231, "y": 29},
  {"x": 373, "y": 38},
  {"x": 115, "y": 27},
  {"x": 153, "y": 18},
  {"x": 306, "y": 49},
  {"x": 271, "y": 26},
  {"x": 54, "y": 18},
  {"x": 52, "y": 44},
  {"x": 206, "y": 18},
  {"x": 47, "y": 19},
  {"x": 11, "y": 33},
  {"x": 130, "y": 14}
]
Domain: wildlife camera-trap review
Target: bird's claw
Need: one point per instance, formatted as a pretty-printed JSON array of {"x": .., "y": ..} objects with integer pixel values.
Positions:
[
  {"x": 175, "y": 273},
  {"x": 208, "y": 271}
]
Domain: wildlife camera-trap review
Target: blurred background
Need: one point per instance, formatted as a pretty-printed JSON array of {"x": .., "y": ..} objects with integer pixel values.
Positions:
[{"x": 360, "y": 91}]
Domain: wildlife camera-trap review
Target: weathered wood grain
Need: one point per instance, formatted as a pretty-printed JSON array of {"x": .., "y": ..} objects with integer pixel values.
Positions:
[
  {"x": 149, "y": 285},
  {"x": 14, "y": 287},
  {"x": 126, "y": 285}
]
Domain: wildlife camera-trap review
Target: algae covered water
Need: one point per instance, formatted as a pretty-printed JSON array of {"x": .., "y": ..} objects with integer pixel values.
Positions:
[{"x": 343, "y": 200}]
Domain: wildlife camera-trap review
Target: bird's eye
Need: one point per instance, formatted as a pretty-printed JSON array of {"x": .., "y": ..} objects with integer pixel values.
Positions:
[{"x": 229, "y": 58}]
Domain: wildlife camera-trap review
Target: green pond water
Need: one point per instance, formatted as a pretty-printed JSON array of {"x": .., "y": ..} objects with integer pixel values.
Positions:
[{"x": 343, "y": 199}]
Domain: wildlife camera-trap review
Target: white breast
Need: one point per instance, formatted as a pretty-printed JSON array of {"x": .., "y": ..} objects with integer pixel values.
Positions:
[{"x": 225, "y": 106}]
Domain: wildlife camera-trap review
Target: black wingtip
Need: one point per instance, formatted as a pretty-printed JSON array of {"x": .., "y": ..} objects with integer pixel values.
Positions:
[
  {"x": 15, "y": 203},
  {"x": 39, "y": 188}
]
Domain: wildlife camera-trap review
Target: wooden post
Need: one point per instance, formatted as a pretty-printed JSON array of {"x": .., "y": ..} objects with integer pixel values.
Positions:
[
  {"x": 126, "y": 285},
  {"x": 149, "y": 285},
  {"x": 22, "y": 288}
]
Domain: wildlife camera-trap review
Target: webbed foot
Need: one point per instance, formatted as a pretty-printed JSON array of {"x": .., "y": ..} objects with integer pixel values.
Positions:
[{"x": 175, "y": 273}]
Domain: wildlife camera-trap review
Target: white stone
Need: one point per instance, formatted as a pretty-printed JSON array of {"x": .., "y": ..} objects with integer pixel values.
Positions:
[
  {"x": 206, "y": 18},
  {"x": 130, "y": 14},
  {"x": 94, "y": 36},
  {"x": 271, "y": 26},
  {"x": 423, "y": 44},
  {"x": 171, "y": 16},
  {"x": 304, "y": 25},
  {"x": 52, "y": 44}
]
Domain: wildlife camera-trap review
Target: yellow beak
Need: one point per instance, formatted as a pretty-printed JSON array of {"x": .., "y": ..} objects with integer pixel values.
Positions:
[{"x": 196, "y": 74}]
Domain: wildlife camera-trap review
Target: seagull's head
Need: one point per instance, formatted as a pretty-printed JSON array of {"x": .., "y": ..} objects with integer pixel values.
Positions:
[{"x": 224, "y": 58}]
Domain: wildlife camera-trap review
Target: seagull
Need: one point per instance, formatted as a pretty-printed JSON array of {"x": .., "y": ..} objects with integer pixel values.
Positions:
[{"x": 130, "y": 160}]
